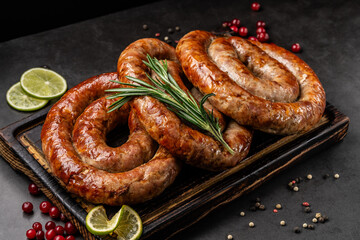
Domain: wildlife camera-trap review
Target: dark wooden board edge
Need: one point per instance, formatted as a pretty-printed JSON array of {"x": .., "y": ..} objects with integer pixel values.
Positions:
[{"x": 174, "y": 222}]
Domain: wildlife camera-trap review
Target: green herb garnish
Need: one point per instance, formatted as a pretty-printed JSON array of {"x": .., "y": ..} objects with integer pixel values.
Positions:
[{"x": 167, "y": 91}]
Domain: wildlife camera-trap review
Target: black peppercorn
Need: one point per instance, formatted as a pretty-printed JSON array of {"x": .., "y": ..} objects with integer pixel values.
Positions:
[
  {"x": 297, "y": 230},
  {"x": 307, "y": 209},
  {"x": 321, "y": 219},
  {"x": 262, "y": 207},
  {"x": 257, "y": 204},
  {"x": 325, "y": 176},
  {"x": 145, "y": 27},
  {"x": 253, "y": 208},
  {"x": 311, "y": 226},
  {"x": 177, "y": 28},
  {"x": 257, "y": 199},
  {"x": 170, "y": 30}
]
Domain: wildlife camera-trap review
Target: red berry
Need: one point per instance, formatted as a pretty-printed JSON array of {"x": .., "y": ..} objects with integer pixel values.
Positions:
[
  {"x": 252, "y": 38},
  {"x": 262, "y": 37},
  {"x": 59, "y": 237},
  {"x": 50, "y": 234},
  {"x": 243, "y": 31},
  {"x": 306, "y": 204},
  {"x": 63, "y": 217},
  {"x": 260, "y": 24},
  {"x": 45, "y": 206},
  {"x": 50, "y": 225},
  {"x": 59, "y": 230},
  {"x": 37, "y": 226},
  {"x": 27, "y": 207},
  {"x": 275, "y": 210},
  {"x": 70, "y": 228},
  {"x": 31, "y": 234},
  {"x": 260, "y": 30},
  {"x": 235, "y": 22},
  {"x": 54, "y": 212},
  {"x": 296, "y": 48},
  {"x": 226, "y": 24},
  {"x": 157, "y": 34},
  {"x": 40, "y": 235},
  {"x": 234, "y": 28},
  {"x": 33, "y": 189},
  {"x": 70, "y": 237},
  {"x": 255, "y": 6}
]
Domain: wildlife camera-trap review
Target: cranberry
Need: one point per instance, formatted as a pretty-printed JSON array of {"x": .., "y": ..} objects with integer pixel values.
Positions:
[
  {"x": 50, "y": 234},
  {"x": 31, "y": 234},
  {"x": 243, "y": 31},
  {"x": 70, "y": 228},
  {"x": 59, "y": 237},
  {"x": 27, "y": 207},
  {"x": 260, "y": 24},
  {"x": 33, "y": 189},
  {"x": 37, "y": 226},
  {"x": 54, "y": 212},
  {"x": 226, "y": 24},
  {"x": 235, "y": 22},
  {"x": 260, "y": 30},
  {"x": 50, "y": 225},
  {"x": 296, "y": 48},
  {"x": 252, "y": 38},
  {"x": 255, "y": 6},
  {"x": 59, "y": 230},
  {"x": 45, "y": 206},
  {"x": 234, "y": 28},
  {"x": 70, "y": 237},
  {"x": 262, "y": 37},
  {"x": 40, "y": 235},
  {"x": 63, "y": 217}
]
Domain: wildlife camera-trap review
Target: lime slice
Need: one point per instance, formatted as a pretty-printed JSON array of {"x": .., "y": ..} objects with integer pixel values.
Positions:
[
  {"x": 98, "y": 223},
  {"x": 18, "y": 99},
  {"x": 43, "y": 83},
  {"x": 130, "y": 226}
]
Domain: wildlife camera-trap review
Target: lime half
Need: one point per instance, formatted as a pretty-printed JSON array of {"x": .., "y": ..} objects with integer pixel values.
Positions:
[
  {"x": 18, "y": 99},
  {"x": 43, "y": 83},
  {"x": 130, "y": 226},
  {"x": 98, "y": 223}
]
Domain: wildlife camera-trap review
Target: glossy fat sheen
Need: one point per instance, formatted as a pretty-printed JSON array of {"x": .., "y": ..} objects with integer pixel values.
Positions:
[
  {"x": 240, "y": 104},
  {"x": 166, "y": 128},
  {"x": 98, "y": 186},
  {"x": 89, "y": 138}
]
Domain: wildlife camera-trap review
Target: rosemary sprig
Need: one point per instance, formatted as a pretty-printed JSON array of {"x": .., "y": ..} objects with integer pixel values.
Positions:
[{"x": 167, "y": 90}]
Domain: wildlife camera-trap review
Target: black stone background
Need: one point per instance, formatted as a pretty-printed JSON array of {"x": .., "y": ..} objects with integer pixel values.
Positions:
[{"x": 79, "y": 48}]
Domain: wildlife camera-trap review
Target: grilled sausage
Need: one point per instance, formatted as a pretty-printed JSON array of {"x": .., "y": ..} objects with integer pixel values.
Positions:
[
  {"x": 265, "y": 60},
  {"x": 95, "y": 185},
  {"x": 166, "y": 128}
]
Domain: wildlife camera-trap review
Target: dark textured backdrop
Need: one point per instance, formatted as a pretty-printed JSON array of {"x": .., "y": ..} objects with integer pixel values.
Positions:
[{"x": 327, "y": 30}]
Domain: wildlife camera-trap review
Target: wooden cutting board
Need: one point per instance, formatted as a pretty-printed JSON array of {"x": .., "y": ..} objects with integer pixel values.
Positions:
[{"x": 195, "y": 192}]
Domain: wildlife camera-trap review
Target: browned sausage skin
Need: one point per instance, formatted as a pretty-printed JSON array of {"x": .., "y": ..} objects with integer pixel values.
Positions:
[
  {"x": 166, "y": 128},
  {"x": 238, "y": 103},
  {"x": 98, "y": 186}
]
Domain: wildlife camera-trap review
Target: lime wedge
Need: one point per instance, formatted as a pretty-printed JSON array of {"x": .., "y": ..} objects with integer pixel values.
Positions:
[
  {"x": 130, "y": 226},
  {"x": 43, "y": 83},
  {"x": 18, "y": 99},
  {"x": 98, "y": 223}
]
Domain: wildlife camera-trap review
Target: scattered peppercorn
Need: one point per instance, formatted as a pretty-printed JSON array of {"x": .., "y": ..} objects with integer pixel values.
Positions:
[
  {"x": 336, "y": 176},
  {"x": 242, "y": 214},
  {"x": 229, "y": 237},
  {"x": 170, "y": 30},
  {"x": 257, "y": 199},
  {"x": 307, "y": 209},
  {"x": 309, "y": 176},
  {"x": 145, "y": 27},
  {"x": 314, "y": 220},
  {"x": 166, "y": 38},
  {"x": 253, "y": 208},
  {"x": 262, "y": 207},
  {"x": 305, "y": 225},
  {"x": 278, "y": 206},
  {"x": 251, "y": 224},
  {"x": 326, "y": 218},
  {"x": 311, "y": 226},
  {"x": 282, "y": 223},
  {"x": 325, "y": 176},
  {"x": 177, "y": 28},
  {"x": 296, "y": 189},
  {"x": 317, "y": 215},
  {"x": 297, "y": 230}
]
